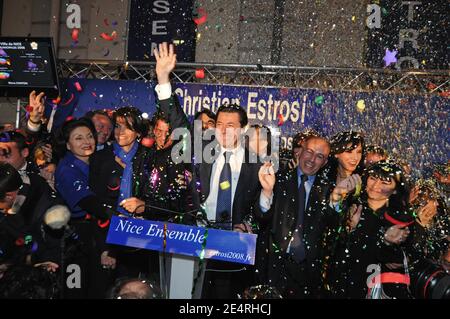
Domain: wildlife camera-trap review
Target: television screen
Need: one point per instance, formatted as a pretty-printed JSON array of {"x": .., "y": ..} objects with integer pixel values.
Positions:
[{"x": 27, "y": 64}]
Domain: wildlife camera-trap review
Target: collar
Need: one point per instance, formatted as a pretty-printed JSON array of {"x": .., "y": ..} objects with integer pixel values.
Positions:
[
  {"x": 72, "y": 159},
  {"x": 311, "y": 178},
  {"x": 235, "y": 151}
]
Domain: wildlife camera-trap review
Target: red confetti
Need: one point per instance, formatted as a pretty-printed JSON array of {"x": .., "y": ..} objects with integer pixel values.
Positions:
[
  {"x": 445, "y": 94},
  {"x": 30, "y": 141},
  {"x": 20, "y": 241},
  {"x": 202, "y": 17},
  {"x": 78, "y": 86},
  {"x": 200, "y": 73},
  {"x": 431, "y": 86},
  {"x": 284, "y": 91},
  {"x": 57, "y": 100},
  {"x": 75, "y": 35},
  {"x": 69, "y": 100},
  {"x": 116, "y": 188},
  {"x": 29, "y": 108},
  {"x": 280, "y": 119},
  {"x": 108, "y": 37},
  {"x": 105, "y": 21},
  {"x": 69, "y": 118},
  {"x": 94, "y": 94}
]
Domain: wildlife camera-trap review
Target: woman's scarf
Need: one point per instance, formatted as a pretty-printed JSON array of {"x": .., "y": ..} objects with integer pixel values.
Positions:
[{"x": 127, "y": 176}]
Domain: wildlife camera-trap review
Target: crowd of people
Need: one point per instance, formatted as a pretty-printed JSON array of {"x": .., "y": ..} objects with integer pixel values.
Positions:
[{"x": 337, "y": 218}]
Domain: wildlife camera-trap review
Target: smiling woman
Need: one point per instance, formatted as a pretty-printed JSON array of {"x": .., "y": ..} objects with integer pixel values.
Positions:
[
  {"x": 77, "y": 144},
  {"x": 374, "y": 231}
]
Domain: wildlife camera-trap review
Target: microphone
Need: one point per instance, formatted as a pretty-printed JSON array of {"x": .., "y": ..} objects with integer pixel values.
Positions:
[{"x": 57, "y": 217}]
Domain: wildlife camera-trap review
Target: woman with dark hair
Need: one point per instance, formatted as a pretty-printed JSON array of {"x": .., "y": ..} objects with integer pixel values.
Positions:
[
  {"x": 347, "y": 150},
  {"x": 432, "y": 227},
  {"x": 372, "y": 234},
  {"x": 77, "y": 140},
  {"x": 116, "y": 172},
  {"x": 259, "y": 140},
  {"x": 117, "y": 175}
]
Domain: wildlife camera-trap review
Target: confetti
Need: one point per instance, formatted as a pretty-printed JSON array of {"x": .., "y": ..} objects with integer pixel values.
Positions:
[
  {"x": 225, "y": 185},
  {"x": 69, "y": 100},
  {"x": 202, "y": 16},
  {"x": 178, "y": 42},
  {"x": 389, "y": 57},
  {"x": 280, "y": 119},
  {"x": 200, "y": 73},
  {"x": 78, "y": 86},
  {"x": 108, "y": 37},
  {"x": 57, "y": 100},
  {"x": 75, "y": 33},
  {"x": 319, "y": 100},
  {"x": 361, "y": 105}
]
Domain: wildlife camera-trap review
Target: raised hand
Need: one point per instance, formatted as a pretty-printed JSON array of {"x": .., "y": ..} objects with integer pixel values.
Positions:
[
  {"x": 107, "y": 261},
  {"x": 166, "y": 60},
  {"x": 413, "y": 194},
  {"x": 266, "y": 177},
  {"x": 133, "y": 205},
  {"x": 355, "y": 215},
  {"x": 396, "y": 234},
  {"x": 37, "y": 103},
  {"x": 344, "y": 187},
  {"x": 427, "y": 212}
]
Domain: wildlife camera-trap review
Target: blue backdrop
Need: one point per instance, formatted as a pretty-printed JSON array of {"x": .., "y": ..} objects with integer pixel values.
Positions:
[{"x": 413, "y": 126}]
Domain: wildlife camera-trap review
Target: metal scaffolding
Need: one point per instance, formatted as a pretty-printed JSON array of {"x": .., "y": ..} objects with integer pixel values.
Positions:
[{"x": 324, "y": 78}]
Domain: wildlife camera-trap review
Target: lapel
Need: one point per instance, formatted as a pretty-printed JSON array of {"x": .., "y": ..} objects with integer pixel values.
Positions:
[
  {"x": 244, "y": 179},
  {"x": 312, "y": 213},
  {"x": 205, "y": 178},
  {"x": 288, "y": 199}
]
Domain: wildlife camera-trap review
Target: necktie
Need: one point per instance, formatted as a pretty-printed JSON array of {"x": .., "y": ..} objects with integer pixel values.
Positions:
[
  {"x": 297, "y": 246},
  {"x": 223, "y": 209}
]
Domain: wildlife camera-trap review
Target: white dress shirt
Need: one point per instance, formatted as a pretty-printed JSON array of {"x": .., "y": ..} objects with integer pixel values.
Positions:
[{"x": 236, "y": 159}]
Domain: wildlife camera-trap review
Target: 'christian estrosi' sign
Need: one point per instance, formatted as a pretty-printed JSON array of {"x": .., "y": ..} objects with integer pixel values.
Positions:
[{"x": 183, "y": 239}]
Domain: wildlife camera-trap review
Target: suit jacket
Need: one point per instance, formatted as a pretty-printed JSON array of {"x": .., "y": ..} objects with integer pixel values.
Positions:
[
  {"x": 282, "y": 220},
  {"x": 247, "y": 190}
]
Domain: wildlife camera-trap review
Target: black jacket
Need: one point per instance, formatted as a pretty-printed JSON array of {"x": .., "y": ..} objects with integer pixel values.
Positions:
[
  {"x": 281, "y": 221},
  {"x": 247, "y": 190}
]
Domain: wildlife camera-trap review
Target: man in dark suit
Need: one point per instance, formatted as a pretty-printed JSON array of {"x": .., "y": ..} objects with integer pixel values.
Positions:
[
  {"x": 295, "y": 203},
  {"x": 229, "y": 189}
]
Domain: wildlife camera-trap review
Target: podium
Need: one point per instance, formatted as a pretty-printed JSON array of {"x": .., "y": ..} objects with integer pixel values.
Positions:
[
  {"x": 177, "y": 275},
  {"x": 183, "y": 250}
]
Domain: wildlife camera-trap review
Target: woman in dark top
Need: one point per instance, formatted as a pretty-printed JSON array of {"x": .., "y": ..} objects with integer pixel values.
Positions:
[
  {"x": 347, "y": 152},
  {"x": 88, "y": 210},
  {"x": 372, "y": 233},
  {"x": 432, "y": 235},
  {"x": 117, "y": 175}
]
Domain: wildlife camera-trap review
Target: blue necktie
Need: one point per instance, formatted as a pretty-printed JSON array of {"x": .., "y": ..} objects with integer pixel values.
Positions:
[
  {"x": 297, "y": 248},
  {"x": 223, "y": 209}
]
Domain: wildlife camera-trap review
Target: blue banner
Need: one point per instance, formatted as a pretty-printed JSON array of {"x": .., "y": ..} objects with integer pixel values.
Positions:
[
  {"x": 413, "y": 127},
  {"x": 183, "y": 239}
]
